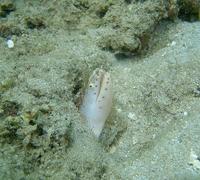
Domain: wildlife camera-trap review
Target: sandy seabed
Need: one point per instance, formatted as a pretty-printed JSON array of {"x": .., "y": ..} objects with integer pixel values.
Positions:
[{"x": 152, "y": 51}]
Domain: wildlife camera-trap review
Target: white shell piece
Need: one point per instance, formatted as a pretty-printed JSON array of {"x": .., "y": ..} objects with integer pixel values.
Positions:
[{"x": 10, "y": 43}]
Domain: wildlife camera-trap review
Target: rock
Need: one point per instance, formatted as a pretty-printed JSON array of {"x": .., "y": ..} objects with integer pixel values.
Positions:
[
  {"x": 35, "y": 22},
  {"x": 6, "y": 7}
]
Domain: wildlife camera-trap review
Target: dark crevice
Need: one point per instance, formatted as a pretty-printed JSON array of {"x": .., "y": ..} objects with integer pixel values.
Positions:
[{"x": 189, "y": 10}]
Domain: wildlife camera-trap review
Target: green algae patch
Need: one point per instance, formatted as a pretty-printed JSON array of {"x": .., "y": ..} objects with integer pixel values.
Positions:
[
  {"x": 8, "y": 29},
  {"x": 36, "y": 22},
  {"x": 7, "y": 84}
]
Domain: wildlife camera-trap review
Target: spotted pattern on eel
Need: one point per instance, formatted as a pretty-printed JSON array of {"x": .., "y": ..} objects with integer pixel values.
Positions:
[{"x": 97, "y": 101}]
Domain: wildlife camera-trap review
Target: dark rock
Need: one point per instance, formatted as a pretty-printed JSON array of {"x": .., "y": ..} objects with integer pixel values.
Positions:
[
  {"x": 35, "y": 23},
  {"x": 6, "y": 7}
]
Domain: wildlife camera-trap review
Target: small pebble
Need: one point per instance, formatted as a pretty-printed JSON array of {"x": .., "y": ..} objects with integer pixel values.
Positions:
[
  {"x": 173, "y": 43},
  {"x": 131, "y": 116},
  {"x": 10, "y": 43}
]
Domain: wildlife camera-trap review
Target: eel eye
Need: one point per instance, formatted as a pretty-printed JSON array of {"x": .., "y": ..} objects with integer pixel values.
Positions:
[{"x": 91, "y": 85}]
